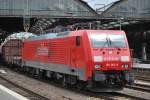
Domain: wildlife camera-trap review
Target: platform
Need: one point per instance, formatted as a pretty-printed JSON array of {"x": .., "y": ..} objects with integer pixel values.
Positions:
[
  {"x": 142, "y": 66},
  {"x": 7, "y": 94}
]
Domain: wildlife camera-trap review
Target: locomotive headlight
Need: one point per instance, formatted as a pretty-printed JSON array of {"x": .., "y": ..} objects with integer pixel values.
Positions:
[
  {"x": 98, "y": 58},
  {"x": 125, "y": 58},
  {"x": 97, "y": 66},
  {"x": 125, "y": 66}
]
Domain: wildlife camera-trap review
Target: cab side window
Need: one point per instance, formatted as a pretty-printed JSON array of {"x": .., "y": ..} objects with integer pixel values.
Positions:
[{"x": 78, "y": 40}]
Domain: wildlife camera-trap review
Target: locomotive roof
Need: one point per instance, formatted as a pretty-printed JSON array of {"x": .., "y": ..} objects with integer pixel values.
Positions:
[
  {"x": 49, "y": 36},
  {"x": 66, "y": 33}
]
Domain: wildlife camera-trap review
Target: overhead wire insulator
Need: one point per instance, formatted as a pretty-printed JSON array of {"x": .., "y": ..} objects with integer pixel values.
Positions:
[{"x": 26, "y": 17}]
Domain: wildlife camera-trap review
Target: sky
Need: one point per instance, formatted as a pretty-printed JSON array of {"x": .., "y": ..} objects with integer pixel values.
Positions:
[{"x": 99, "y": 3}]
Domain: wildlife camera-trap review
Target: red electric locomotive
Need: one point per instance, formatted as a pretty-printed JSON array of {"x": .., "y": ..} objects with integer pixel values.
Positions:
[{"x": 87, "y": 58}]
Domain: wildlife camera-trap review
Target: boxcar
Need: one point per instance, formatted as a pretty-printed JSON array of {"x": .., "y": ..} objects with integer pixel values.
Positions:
[{"x": 11, "y": 51}]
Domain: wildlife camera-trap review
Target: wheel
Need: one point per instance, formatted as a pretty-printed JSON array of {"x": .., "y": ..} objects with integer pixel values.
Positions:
[
  {"x": 80, "y": 85},
  {"x": 64, "y": 82}
]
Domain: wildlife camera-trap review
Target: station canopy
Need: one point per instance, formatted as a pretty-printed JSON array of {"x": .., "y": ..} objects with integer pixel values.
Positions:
[
  {"x": 128, "y": 9},
  {"x": 46, "y": 9}
]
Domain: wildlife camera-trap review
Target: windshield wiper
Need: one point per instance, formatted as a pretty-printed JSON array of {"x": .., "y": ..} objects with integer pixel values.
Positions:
[
  {"x": 106, "y": 42},
  {"x": 112, "y": 44}
]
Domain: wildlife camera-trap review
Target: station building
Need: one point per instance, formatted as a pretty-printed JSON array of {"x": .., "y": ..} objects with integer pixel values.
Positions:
[{"x": 132, "y": 16}]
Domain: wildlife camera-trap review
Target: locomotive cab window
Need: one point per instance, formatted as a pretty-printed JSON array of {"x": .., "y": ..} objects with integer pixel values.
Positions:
[
  {"x": 108, "y": 40},
  {"x": 78, "y": 40}
]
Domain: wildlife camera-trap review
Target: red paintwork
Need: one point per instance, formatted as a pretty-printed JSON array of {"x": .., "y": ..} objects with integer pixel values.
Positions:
[{"x": 64, "y": 51}]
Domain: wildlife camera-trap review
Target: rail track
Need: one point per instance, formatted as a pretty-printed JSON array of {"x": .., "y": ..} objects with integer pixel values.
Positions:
[
  {"x": 90, "y": 95},
  {"x": 113, "y": 96},
  {"x": 21, "y": 90},
  {"x": 140, "y": 87},
  {"x": 34, "y": 96},
  {"x": 143, "y": 78}
]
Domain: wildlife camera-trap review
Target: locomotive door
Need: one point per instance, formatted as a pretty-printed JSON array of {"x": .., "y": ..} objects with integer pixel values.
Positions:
[
  {"x": 73, "y": 57},
  {"x": 74, "y": 54}
]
